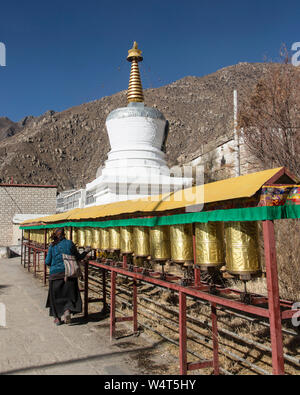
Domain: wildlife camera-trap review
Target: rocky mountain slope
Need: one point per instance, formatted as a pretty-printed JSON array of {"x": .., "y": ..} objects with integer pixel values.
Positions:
[
  {"x": 67, "y": 148},
  {"x": 8, "y": 128}
]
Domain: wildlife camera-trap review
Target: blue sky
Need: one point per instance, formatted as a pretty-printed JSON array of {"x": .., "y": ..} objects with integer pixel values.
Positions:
[{"x": 64, "y": 53}]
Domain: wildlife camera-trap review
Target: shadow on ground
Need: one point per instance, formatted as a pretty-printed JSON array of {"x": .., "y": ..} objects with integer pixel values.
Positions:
[
  {"x": 94, "y": 317},
  {"x": 81, "y": 360},
  {"x": 2, "y": 287}
]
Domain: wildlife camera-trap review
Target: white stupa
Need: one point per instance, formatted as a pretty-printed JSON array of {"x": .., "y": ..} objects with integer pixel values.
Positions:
[{"x": 136, "y": 166}]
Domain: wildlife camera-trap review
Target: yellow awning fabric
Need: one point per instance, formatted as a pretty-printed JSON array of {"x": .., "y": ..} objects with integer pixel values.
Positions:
[
  {"x": 52, "y": 218},
  {"x": 232, "y": 188}
]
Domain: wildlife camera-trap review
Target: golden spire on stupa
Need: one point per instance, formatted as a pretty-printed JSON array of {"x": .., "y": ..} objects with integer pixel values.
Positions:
[{"x": 135, "y": 89}]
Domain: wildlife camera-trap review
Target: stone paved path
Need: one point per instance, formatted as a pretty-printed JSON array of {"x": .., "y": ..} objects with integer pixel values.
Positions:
[{"x": 31, "y": 343}]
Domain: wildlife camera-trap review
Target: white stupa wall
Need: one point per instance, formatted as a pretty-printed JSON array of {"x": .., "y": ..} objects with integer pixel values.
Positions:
[
  {"x": 135, "y": 147},
  {"x": 136, "y": 166}
]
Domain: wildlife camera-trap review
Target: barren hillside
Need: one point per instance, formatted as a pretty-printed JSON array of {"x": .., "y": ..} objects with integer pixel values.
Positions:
[{"x": 67, "y": 148}]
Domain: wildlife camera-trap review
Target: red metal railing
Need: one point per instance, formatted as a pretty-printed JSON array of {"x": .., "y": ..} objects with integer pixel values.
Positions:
[{"x": 270, "y": 307}]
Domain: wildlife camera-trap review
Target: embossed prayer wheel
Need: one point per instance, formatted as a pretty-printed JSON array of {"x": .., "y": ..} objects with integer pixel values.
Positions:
[
  {"x": 160, "y": 246},
  {"x": 68, "y": 233},
  {"x": 36, "y": 237},
  {"x": 75, "y": 235},
  {"x": 48, "y": 236},
  {"x": 114, "y": 239},
  {"x": 43, "y": 232},
  {"x": 96, "y": 235},
  {"x": 210, "y": 247},
  {"x": 26, "y": 235},
  {"x": 40, "y": 237},
  {"x": 181, "y": 237},
  {"x": 81, "y": 237},
  {"x": 242, "y": 249},
  {"x": 141, "y": 242},
  {"x": 33, "y": 236},
  {"x": 126, "y": 240},
  {"x": 88, "y": 237},
  {"x": 104, "y": 239}
]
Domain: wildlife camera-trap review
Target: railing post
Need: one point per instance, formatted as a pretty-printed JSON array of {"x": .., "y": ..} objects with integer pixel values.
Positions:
[
  {"x": 135, "y": 322},
  {"x": 197, "y": 272},
  {"x": 45, "y": 255},
  {"x": 29, "y": 258},
  {"x": 104, "y": 299},
  {"x": 124, "y": 261},
  {"x": 86, "y": 289},
  {"x": 34, "y": 262},
  {"x": 182, "y": 334},
  {"x": 25, "y": 250},
  {"x": 22, "y": 247},
  {"x": 273, "y": 296},
  {"x": 215, "y": 339},
  {"x": 112, "y": 305}
]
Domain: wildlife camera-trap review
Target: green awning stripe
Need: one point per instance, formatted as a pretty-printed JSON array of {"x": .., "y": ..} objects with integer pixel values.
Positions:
[{"x": 239, "y": 214}]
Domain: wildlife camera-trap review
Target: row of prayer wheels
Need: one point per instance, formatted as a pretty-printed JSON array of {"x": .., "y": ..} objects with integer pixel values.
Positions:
[
  {"x": 234, "y": 244},
  {"x": 36, "y": 236}
]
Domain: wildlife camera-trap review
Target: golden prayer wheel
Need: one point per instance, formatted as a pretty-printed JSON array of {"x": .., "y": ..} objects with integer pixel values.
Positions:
[
  {"x": 88, "y": 237},
  {"x": 75, "y": 235},
  {"x": 160, "y": 247},
  {"x": 210, "y": 248},
  {"x": 96, "y": 235},
  {"x": 26, "y": 235},
  {"x": 104, "y": 244},
  {"x": 114, "y": 239},
  {"x": 242, "y": 249},
  {"x": 48, "y": 235},
  {"x": 141, "y": 242},
  {"x": 44, "y": 236},
  {"x": 40, "y": 238},
  {"x": 126, "y": 240},
  {"x": 181, "y": 237},
  {"x": 81, "y": 237},
  {"x": 68, "y": 233}
]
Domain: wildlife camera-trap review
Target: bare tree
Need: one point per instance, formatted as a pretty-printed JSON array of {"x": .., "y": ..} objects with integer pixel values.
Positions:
[{"x": 270, "y": 118}]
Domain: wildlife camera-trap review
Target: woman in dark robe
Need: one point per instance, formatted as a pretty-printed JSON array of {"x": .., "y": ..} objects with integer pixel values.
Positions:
[{"x": 64, "y": 296}]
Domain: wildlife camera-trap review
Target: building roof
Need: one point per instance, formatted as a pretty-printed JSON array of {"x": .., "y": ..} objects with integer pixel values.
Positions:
[
  {"x": 19, "y": 218},
  {"x": 233, "y": 188},
  {"x": 28, "y": 185}
]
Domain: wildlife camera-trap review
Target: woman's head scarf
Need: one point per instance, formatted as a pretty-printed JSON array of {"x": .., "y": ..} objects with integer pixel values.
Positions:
[{"x": 58, "y": 235}]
